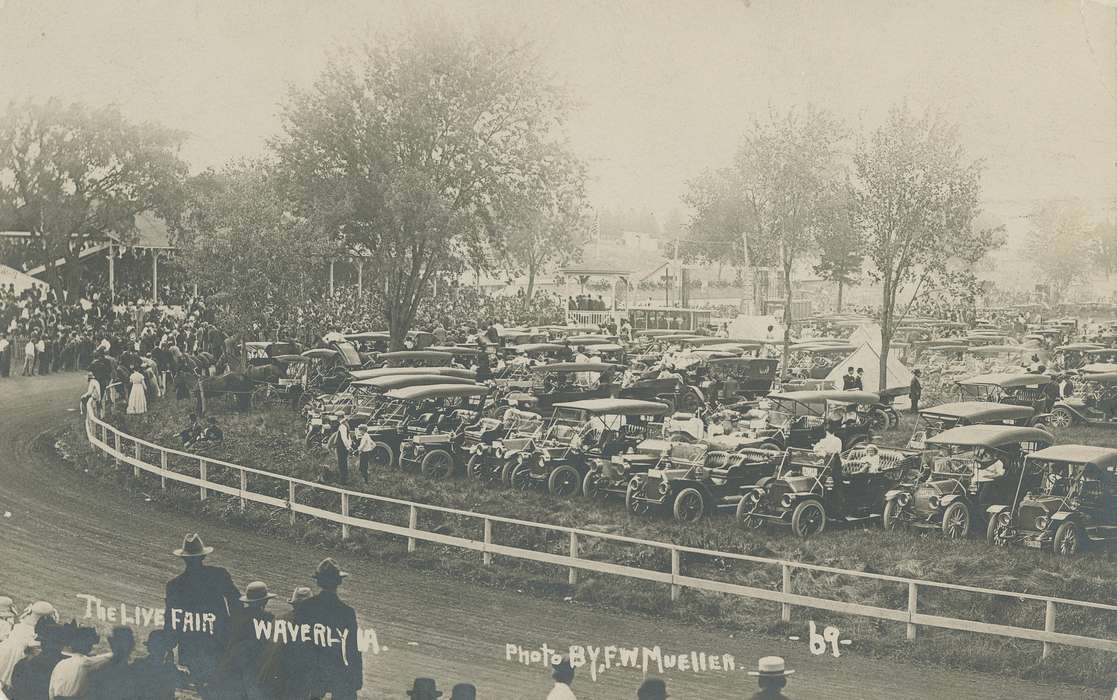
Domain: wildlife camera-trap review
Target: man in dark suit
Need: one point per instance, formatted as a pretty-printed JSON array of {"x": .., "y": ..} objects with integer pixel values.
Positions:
[
  {"x": 199, "y": 604},
  {"x": 336, "y": 669}
]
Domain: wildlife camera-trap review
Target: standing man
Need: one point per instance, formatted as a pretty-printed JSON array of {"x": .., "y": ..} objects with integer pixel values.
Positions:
[
  {"x": 859, "y": 380},
  {"x": 915, "y": 391},
  {"x": 365, "y": 443},
  {"x": 335, "y": 669},
  {"x": 342, "y": 446},
  {"x": 849, "y": 379},
  {"x": 29, "y": 358},
  {"x": 771, "y": 676},
  {"x": 563, "y": 675},
  {"x": 5, "y": 355},
  {"x": 199, "y": 604}
]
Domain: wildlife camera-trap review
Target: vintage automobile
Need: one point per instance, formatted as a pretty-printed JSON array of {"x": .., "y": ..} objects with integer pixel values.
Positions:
[
  {"x": 492, "y": 461},
  {"x": 439, "y": 454},
  {"x": 566, "y": 381},
  {"x": 1016, "y": 388},
  {"x": 809, "y": 491},
  {"x": 1073, "y": 355},
  {"x": 694, "y": 481},
  {"x": 541, "y": 352},
  {"x": 579, "y": 433},
  {"x": 672, "y": 390},
  {"x": 732, "y": 379},
  {"x": 414, "y": 358},
  {"x": 817, "y": 359},
  {"x": 971, "y": 467},
  {"x": 266, "y": 352},
  {"x": 398, "y": 371},
  {"x": 936, "y": 419},
  {"x": 1094, "y": 402},
  {"x": 798, "y": 419},
  {"x": 1073, "y": 507},
  {"x": 414, "y": 411}
]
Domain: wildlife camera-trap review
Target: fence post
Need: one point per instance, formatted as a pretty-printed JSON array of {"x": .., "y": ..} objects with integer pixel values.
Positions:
[
  {"x": 1048, "y": 626},
  {"x": 913, "y": 601},
  {"x": 243, "y": 488},
  {"x": 412, "y": 523},
  {"x": 674, "y": 574},
  {"x": 139, "y": 457},
  {"x": 572, "y": 575},
  {"x": 785, "y": 609},
  {"x": 163, "y": 465},
  {"x": 105, "y": 433},
  {"x": 486, "y": 556},
  {"x": 116, "y": 455},
  {"x": 344, "y": 515},
  {"x": 291, "y": 499},
  {"x": 203, "y": 472}
]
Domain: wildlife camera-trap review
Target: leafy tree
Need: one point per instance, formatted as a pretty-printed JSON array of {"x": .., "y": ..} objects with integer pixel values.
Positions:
[
  {"x": 779, "y": 192},
  {"x": 1104, "y": 247},
  {"x": 1059, "y": 229},
  {"x": 841, "y": 255},
  {"x": 71, "y": 175},
  {"x": 914, "y": 201},
  {"x": 412, "y": 151},
  {"x": 236, "y": 236},
  {"x": 717, "y": 231}
]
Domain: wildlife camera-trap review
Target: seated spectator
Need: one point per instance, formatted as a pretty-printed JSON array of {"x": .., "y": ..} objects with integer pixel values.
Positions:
[
  {"x": 424, "y": 689},
  {"x": 114, "y": 681},
  {"x": 213, "y": 432},
  {"x": 771, "y": 676},
  {"x": 71, "y": 677},
  {"x": 31, "y": 676},
  {"x": 22, "y": 638},
  {"x": 155, "y": 676},
  {"x": 192, "y": 433}
]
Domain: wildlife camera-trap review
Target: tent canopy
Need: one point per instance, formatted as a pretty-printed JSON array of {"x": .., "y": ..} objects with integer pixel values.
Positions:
[
  {"x": 19, "y": 280},
  {"x": 868, "y": 357}
]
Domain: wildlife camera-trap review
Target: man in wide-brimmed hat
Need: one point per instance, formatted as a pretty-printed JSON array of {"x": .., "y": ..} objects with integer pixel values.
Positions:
[
  {"x": 199, "y": 604},
  {"x": 337, "y": 668},
  {"x": 771, "y": 674},
  {"x": 463, "y": 691},
  {"x": 424, "y": 689},
  {"x": 563, "y": 675},
  {"x": 281, "y": 665},
  {"x": 238, "y": 673}
]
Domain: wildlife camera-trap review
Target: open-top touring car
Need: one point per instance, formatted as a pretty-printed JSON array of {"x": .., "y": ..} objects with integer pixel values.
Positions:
[
  {"x": 1073, "y": 506},
  {"x": 415, "y": 411},
  {"x": 936, "y": 419},
  {"x": 439, "y": 452}
]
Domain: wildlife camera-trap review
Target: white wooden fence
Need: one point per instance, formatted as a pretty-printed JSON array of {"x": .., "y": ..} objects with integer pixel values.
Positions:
[{"x": 116, "y": 444}]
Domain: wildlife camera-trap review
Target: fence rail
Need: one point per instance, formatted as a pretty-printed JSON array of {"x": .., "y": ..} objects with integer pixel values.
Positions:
[{"x": 98, "y": 433}]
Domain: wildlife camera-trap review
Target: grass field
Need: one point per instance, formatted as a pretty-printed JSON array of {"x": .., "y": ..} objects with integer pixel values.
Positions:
[{"x": 271, "y": 439}]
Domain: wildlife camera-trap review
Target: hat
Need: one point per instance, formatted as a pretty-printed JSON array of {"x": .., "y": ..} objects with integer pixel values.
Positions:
[
  {"x": 42, "y": 608},
  {"x": 192, "y": 546},
  {"x": 463, "y": 691},
  {"x": 256, "y": 592},
  {"x": 562, "y": 668},
  {"x": 771, "y": 667},
  {"x": 424, "y": 688},
  {"x": 329, "y": 572},
  {"x": 300, "y": 594},
  {"x": 651, "y": 689}
]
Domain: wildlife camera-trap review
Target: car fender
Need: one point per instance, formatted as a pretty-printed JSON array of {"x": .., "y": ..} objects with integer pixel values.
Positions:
[
  {"x": 893, "y": 494},
  {"x": 1075, "y": 409},
  {"x": 948, "y": 499},
  {"x": 1064, "y": 515},
  {"x": 993, "y": 511},
  {"x": 1039, "y": 419}
]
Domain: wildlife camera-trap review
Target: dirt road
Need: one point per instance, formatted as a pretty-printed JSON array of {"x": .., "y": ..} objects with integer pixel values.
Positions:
[{"x": 68, "y": 535}]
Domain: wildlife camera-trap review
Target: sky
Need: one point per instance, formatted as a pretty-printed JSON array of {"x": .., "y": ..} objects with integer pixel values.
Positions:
[{"x": 664, "y": 89}]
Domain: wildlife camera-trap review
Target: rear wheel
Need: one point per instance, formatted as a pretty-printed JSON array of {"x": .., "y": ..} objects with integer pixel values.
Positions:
[
  {"x": 690, "y": 403},
  {"x": 564, "y": 481},
  {"x": 808, "y": 519},
  {"x": 690, "y": 506},
  {"x": 382, "y": 455},
  {"x": 1069, "y": 540},
  {"x": 878, "y": 419},
  {"x": 437, "y": 464},
  {"x": 892, "y": 520},
  {"x": 956, "y": 520},
  {"x": 893, "y": 417},
  {"x": 593, "y": 485},
  {"x": 1060, "y": 418}
]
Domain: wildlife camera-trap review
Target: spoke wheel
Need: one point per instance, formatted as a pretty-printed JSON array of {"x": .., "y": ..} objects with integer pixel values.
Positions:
[
  {"x": 1060, "y": 419},
  {"x": 635, "y": 486},
  {"x": 520, "y": 478},
  {"x": 437, "y": 464},
  {"x": 808, "y": 519},
  {"x": 746, "y": 511},
  {"x": 893, "y": 519},
  {"x": 956, "y": 520},
  {"x": 564, "y": 482},
  {"x": 689, "y": 506},
  {"x": 996, "y": 532},
  {"x": 476, "y": 467},
  {"x": 1069, "y": 540},
  {"x": 593, "y": 486}
]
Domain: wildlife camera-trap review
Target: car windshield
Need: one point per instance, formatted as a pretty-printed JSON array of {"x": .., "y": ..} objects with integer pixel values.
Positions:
[
  {"x": 783, "y": 411},
  {"x": 955, "y": 460}
]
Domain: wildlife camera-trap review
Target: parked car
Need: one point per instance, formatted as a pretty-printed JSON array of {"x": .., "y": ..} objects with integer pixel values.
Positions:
[
  {"x": 1072, "y": 508},
  {"x": 808, "y": 491},
  {"x": 397, "y": 371},
  {"x": 971, "y": 468},
  {"x": 693, "y": 481},
  {"x": 798, "y": 419},
  {"x": 1037, "y": 391},
  {"x": 440, "y": 453},
  {"x": 1094, "y": 402},
  {"x": 580, "y": 433},
  {"x": 414, "y": 411},
  {"x": 414, "y": 358},
  {"x": 728, "y": 380},
  {"x": 936, "y": 419},
  {"x": 566, "y": 381}
]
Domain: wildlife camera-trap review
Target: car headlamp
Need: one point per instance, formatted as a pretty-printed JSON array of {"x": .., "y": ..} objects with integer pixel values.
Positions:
[
  {"x": 904, "y": 498},
  {"x": 663, "y": 487},
  {"x": 786, "y": 501},
  {"x": 541, "y": 460},
  {"x": 478, "y": 449},
  {"x": 1042, "y": 522},
  {"x": 933, "y": 502},
  {"x": 498, "y": 452},
  {"x": 699, "y": 472}
]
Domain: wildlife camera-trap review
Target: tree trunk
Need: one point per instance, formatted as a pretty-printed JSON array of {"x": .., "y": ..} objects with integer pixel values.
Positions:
[
  {"x": 885, "y": 336},
  {"x": 786, "y": 319},
  {"x": 840, "y": 288},
  {"x": 530, "y": 285}
]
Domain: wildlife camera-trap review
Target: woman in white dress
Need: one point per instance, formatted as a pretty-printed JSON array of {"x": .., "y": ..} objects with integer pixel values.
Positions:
[{"x": 137, "y": 400}]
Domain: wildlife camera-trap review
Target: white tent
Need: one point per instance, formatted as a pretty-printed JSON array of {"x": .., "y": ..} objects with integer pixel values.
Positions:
[
  {"x": 868, "y": 357},
  {"x": 21, "y": 281},
  {"x": 868, "y": 333},
  {"x": 755, "y": 327}
]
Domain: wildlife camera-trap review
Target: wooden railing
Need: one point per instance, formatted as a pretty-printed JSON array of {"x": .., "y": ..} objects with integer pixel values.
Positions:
[{"x": 114, "y": 444}]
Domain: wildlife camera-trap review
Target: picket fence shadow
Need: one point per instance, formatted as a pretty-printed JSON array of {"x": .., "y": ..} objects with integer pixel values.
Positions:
[{"x": 98, "y": 433}]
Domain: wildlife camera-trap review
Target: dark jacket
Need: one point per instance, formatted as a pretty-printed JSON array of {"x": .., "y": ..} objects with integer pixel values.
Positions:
[
  {"x": 332, "y": 668},
  {"x": 31, "y": 676},
  {"x": 155, "y": 679},
  {"x": 206, "y": 590},
  {"x": 239, "y": 669},
  {"x": 916, "y": 388}
]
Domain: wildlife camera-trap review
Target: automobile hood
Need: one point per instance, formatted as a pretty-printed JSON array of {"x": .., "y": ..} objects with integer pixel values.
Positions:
[
  {"x": 1048, "y": 504},
  {"x": 938, "y": 487}
]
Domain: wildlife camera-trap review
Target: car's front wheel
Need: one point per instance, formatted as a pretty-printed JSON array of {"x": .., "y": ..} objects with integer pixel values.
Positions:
[
  {"x": 1069, "y": 540},
  {"x": 1060, "y": 419},
  {"x": 564, "y": 481},
  {"x": 631, "y": 492},
  {"x": 475, "y": 468},
  {"x": 690, "y": 506},
  {"x": 592, "y": 485},
  {"x": 520, "y": 478},
  {"x": 382, "y": 455},
  {"x": 808, "y": 518},
  {"x": 956, "y": 520},
  {"x": 437, "y": 464},
  {"x": 746, "y": 511},
  {"x": 997, "y": 530},
  {"x": 892, "y": 519}
]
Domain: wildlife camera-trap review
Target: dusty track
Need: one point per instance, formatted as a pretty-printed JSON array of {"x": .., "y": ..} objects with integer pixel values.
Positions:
[{"x": 68, "y": 534}]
